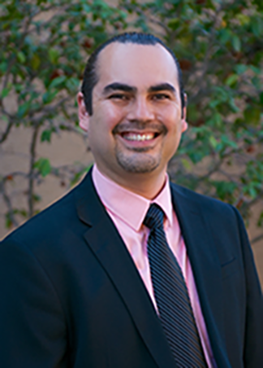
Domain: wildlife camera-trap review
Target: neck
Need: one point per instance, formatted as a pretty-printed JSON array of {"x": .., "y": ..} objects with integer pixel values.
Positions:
[
  {"x": 147, "y": 185},
  {"x": 146, "y": 188}
]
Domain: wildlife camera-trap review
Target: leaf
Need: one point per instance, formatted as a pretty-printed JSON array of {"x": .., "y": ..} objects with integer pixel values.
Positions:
[
  {"x": 43, "y": 165},
  {"x": 252, "y": 115},
  {"x": 244, "y": 19},
  {"x": 241, "y": 68},
  {"x": 49, "y": 96},
  {"x": 23, "y": 109},
  {"x": 186, "y": 164},
  {"x": 256, "y": 70},
  {"x": 224, "y": 189},
  {"x": 46, "y": 135},
  {"x": 174, "y": 23},
  {"x": 21, "y": 57},
  {"x": 58, "y": 81},
  {"x": 86, "y": 8},
  {"x": 257, "y": 27},
  {"x": 225, "y": 35},
  {"x": 213, "y": 142},
  {"x": 217, "y": 119},
  {"x": 53, "y": 55},
  {"x": 3, "y": 66},
  {"x": 5, "y": 92},
  {"x": 236, "y": 43},
  {"x": 35, "y": 62},
  {"x": 73, "y": 84},
  {"x": 232, "y": 79},
  {"x": 36, "y": 198},
  {"x": 251, "y": 191},
  {"x": 8, "y": 221},
  {"x": 228, "y": 142}
]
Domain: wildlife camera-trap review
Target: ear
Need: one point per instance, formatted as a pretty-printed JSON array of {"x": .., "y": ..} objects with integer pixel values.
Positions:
[
  {"x": 82, "y": 112},
  {"x": 184, "y": 122}
]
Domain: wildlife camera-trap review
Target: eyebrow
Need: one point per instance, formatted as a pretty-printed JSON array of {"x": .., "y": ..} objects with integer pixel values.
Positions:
[
  {"x": 116, "y": 86},
  {"x": 119, "y": 87},
  {"x": 162, "y": 87}
]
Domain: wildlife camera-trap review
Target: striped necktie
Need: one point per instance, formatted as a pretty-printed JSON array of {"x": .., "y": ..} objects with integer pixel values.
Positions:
[{"x": 171, "y": 295}]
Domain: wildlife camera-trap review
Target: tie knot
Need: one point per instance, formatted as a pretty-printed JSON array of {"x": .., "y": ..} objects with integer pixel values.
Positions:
[{"x": 154, "y": 217}]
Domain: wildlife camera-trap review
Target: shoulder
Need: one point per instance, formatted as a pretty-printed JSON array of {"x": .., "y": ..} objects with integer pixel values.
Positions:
[
  {"x": 215, "y": 212},
  {"x": 54, "y": 223},
  {"x": 199, "y": 199}
]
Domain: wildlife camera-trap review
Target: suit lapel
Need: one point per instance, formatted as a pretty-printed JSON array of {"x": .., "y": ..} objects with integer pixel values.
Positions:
[
  {"x": 194, "y": 224},
  {"x": 107, "y": 245}
]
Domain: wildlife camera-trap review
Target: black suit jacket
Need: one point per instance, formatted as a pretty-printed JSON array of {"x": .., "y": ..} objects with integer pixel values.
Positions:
[{"x": 71, "y": 295}]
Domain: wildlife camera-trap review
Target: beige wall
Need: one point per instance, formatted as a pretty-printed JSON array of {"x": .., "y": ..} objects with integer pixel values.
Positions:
[{"x": 65, "y": 149}]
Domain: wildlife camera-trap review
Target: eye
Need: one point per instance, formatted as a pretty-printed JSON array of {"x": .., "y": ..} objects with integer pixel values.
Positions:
[
  {"x": 161, "y": 96},
  {"x": 119, "y": 96}
]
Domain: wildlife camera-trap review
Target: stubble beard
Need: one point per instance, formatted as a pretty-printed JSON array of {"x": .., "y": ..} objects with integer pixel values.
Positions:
[{"x": 138, "y": 161}]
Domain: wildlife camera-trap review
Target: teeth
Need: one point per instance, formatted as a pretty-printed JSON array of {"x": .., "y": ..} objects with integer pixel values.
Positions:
[{"x": 139, "y": 137}]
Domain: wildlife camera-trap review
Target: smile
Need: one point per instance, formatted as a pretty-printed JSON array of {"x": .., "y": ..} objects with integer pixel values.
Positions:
[{"x": 138, "y": 137}]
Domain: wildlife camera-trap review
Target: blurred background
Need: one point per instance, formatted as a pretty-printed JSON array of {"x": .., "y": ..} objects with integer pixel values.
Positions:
[{"x": 44, "y": 48}]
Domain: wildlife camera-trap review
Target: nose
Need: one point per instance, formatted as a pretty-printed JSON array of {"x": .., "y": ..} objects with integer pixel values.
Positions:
[{"x": 141, "y": 110}]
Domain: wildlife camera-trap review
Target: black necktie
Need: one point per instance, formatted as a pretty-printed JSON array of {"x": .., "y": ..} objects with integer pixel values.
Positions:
[{"x": 171, "y": 295}]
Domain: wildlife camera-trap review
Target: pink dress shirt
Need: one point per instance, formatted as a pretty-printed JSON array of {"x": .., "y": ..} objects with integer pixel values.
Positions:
[{"x": 121, "y": 205}]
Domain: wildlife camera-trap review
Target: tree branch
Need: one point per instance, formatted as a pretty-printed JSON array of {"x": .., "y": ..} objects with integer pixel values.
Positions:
[
  {"x": 31, "y": 170},
  {"x": 8, "y": 203},
  {"x": 6, "y": 132}
]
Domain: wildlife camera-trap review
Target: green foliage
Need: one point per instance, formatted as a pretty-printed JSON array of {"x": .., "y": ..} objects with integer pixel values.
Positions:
[
  {"x": 9, "y": 223},
  {"x": 43, "y": 165},
  {"x": 45, "y": 44}
]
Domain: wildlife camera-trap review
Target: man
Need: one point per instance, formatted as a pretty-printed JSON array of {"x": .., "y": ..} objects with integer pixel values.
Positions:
[{"x": 78, "y": 283}]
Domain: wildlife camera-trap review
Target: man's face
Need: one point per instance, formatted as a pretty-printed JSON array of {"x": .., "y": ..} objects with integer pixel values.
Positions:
[{"x": 136, "y": 123}]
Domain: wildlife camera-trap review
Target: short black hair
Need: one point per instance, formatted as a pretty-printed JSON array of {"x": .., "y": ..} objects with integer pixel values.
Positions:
[{"x": 90, "y": 78}]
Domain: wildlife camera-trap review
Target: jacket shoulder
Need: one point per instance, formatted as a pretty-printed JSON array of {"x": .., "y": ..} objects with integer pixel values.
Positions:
[
  {"x": 206, "y": 202},
  {"x": 55, "y": 220}
]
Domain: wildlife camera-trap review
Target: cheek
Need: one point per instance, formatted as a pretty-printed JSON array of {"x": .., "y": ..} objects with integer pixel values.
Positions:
[
  {"x": 173, "y": 125},
  {"x": 101, "y": 126},
  {"x": 110, "y": 114},
  {"x": 170, "y": 115}
]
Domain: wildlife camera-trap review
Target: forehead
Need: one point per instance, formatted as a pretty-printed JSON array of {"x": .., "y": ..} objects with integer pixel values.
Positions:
[{"x": 136, "y": 65}]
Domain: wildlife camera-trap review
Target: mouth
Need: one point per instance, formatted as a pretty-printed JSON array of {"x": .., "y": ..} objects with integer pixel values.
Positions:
[{"x": 138, "y": 137}]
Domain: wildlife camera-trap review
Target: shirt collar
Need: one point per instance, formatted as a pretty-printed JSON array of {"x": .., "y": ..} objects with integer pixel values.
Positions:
[{"x": 124, "y": 203}]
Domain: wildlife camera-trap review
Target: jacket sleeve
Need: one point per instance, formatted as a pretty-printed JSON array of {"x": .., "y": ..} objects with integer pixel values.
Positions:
[
  {"x": 253, "y": 347},
  {"x": 32, "y": 332}
]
